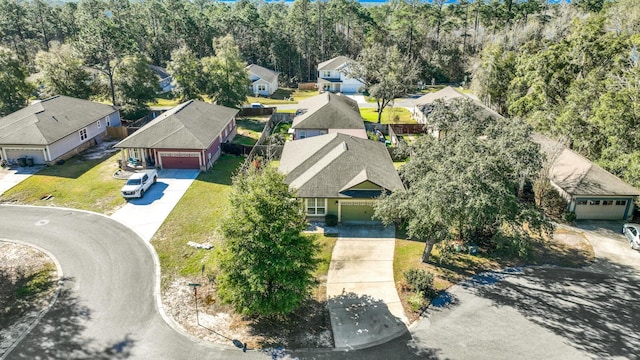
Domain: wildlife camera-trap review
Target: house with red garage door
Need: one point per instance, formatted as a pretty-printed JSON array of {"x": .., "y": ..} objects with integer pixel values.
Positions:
[{"x": 189, "y": 136}]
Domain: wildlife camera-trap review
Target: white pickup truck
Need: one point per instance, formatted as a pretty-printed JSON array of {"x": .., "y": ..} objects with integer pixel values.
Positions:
[{"x": 138, "y": 183}]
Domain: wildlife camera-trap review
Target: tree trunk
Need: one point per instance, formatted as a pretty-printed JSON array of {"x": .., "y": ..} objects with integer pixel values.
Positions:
[{"x": 426, "y": 254}]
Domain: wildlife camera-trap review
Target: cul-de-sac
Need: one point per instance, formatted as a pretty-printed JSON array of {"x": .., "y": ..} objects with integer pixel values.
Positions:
[{"x": 327, "y": 179}]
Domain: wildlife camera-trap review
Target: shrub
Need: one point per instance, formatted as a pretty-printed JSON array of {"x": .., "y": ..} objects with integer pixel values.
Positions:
[
  {"x": 331, "y": 220},
  {"x": 569, "y": 216},
  {"x": 416, "y": 301},
  {"x": 421, "y": 281}
]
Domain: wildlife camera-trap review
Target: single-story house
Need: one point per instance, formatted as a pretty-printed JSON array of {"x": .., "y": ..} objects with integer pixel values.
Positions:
[
  {"x": 328, "y": 113},
  {"x": 263, "y": 81},
  {"x": 424, "y": 105},
  {"x": 333, "y": 76},
  {"x": 55, "y": 129},
  {"x": 339, "y": 174},
  {"x": 591, "y": 191},
  {"x": 164, "y": 78},
  {"x": 189, "y": 136}
]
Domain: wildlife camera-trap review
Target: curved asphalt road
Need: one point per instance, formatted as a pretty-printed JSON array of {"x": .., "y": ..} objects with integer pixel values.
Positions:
[{"x": 106, "y": 308}]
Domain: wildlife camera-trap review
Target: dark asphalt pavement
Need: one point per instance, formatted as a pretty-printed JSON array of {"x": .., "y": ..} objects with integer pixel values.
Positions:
[{"x": 107, "y": 307}]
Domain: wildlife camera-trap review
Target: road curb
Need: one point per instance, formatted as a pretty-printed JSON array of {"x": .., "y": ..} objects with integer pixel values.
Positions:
[{"x": 52, "y": 299}]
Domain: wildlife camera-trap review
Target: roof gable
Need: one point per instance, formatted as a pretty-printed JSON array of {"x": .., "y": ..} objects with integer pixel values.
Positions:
[
  {"x": 577, "y": 175},
  {"x": 336, "y": 63},
  {"x": 50, "y": 120},
  {"x": 190, "y": 125},
  {"x": 328, "y": 111},
  {"x": 333, "y": 164},
  {"x": 262, "y": 73}
]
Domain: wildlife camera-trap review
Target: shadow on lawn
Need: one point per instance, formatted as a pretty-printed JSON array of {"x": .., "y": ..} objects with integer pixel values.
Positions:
[
  {"x": 595, "y": 312},
  {"x": 60, "y": 335}
]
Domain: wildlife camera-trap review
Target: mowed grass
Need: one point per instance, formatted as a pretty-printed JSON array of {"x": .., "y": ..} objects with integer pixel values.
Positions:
[
  {"x": 249, "y": 130},
  {"x": 80, "y": 184},
  {"x": 388, "y": 115},
  {"x": 196, "y": 217},
  {"x": 283, "y": 96}
]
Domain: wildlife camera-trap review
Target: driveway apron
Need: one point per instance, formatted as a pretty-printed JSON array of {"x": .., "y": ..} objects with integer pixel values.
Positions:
[
  {"x": 146, "y": 215},
  {"x": 363, "y": 302},
  {"x": 14, "y": 176}
]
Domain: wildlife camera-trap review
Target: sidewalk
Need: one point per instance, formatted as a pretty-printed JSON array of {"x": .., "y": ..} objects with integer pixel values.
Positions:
[{"x": 363, "y": 302}]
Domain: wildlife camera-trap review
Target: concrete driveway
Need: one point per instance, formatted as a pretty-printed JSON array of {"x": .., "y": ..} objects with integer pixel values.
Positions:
[
  {"x": 363, "y": 303},
  {"x": 543, "y": 313},
  {"x": 146, "y": 215},
  {"x": 12, "y": 177}
]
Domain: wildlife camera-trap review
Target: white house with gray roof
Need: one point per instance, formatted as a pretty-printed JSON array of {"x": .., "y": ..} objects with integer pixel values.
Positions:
[
  {"x": 263, "y": 81},
  {"x": 189, "y": 136},
  {"x": 339, "y": 174},
  {"x": 333, "y": 76},
  {"x": 328, "y": 113},
  {"x": 54, "y": 129},
  {"x": 591, "y": 191}
]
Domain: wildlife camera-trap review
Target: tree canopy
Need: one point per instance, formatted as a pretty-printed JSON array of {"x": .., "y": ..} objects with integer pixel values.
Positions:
[
  {"x": 465, "y": 185},
  {"x": 266, "y": 262},
  {"x": 14, "y": 90}
]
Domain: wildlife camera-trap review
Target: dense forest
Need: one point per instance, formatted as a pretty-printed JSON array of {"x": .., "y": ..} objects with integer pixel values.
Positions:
[{"x": 570, "y": 70}]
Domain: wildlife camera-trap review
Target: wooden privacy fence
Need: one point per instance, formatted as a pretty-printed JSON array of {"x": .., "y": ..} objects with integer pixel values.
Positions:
[
  {"x": 117, "y": 132},
  {"x": 306, "y": 86},
  {"x": 256, "y": 111}
]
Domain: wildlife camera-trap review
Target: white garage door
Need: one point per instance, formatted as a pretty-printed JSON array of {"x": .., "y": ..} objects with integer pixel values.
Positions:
[
  {"x": 36, "y": 154},
  {"x": 601, "y": 209}
]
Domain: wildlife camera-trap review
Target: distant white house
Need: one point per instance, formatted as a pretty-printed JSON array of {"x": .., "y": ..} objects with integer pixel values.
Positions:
[
  {"x": 263, "y": 81},
  {"x": 333, "y": 76},
  {"x": 164, "y": 78}
]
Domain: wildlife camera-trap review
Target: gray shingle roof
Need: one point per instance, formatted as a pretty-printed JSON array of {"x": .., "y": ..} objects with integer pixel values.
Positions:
[
  {"x": 578, "y": 176},
  {"x": 50, "y": 120},
  {"x": 445, "y": 94},
  {"x": 334, "y": 64},
  {"x": 263, "y": 73},
  {"x": 329, "y": 165},
  {"x": 448, "y": 94},
  {"x": 190, "y": 125},
  {"x": 328, "y": 111}
]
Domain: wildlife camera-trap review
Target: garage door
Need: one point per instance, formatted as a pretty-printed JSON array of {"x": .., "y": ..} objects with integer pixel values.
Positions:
[
  {"x": 356, "y": 211},
  {"x": 180, "y": 160},
  {"x": 36, "y": 154},
  {"x": 601, "y": 209}
]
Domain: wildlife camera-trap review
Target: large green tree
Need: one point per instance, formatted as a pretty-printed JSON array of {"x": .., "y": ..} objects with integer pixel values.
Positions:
[
  {"x": 465, "y": 186},
  {"x": 186, "y": 71},
  {"x": 385, "y": 72},
  {"x": 266, "y": 263},
  {"x": 135, "y": 84},
  {"x": 226, "y": 80},
  {"x": 14, "y": 90},
  {"x": 63, "y": 72}
]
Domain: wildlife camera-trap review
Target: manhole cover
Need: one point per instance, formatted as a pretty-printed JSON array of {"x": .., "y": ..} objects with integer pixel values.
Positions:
[{"x": 42, "y": 222}]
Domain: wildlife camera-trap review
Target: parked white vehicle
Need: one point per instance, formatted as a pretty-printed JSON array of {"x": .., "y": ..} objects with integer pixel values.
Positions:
[
  {"x": 138, "y": 183},
  {"x": 632, "y": 232}
]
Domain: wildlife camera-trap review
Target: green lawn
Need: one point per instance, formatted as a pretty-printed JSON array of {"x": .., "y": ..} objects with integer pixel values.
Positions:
[
  {"x": 283, "y": 96},
  {"x": 249, "y": 130},
  {"x": 80, "y": 184},
  {"x": 404, "y": 116},
  {"x": 195, "y": 218},
  {"x": 326, "y": 244}
]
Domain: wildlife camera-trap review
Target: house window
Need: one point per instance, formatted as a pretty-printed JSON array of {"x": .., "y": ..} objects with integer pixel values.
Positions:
[
  {"x": 107, "y": 121},
  {"x": 99, "y": 123},
  {"x": 326, "y": 74},
  {"x": 323, "y": 132},
  {"x": 83, "y": 134},
  {"x": 621, "y": 202},
  {"x": 607, "y": 202},
  {"x": 594, "y": 202},
  {"x": 262, "y": 87},
  {"x": 303, "y": 134},
  {"x": 581, "y": 202},
  {"x": 316, "y": 206}
]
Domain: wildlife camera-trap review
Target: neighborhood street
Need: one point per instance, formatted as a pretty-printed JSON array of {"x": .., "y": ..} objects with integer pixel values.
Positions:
[{"x": 107, "y": 307}]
